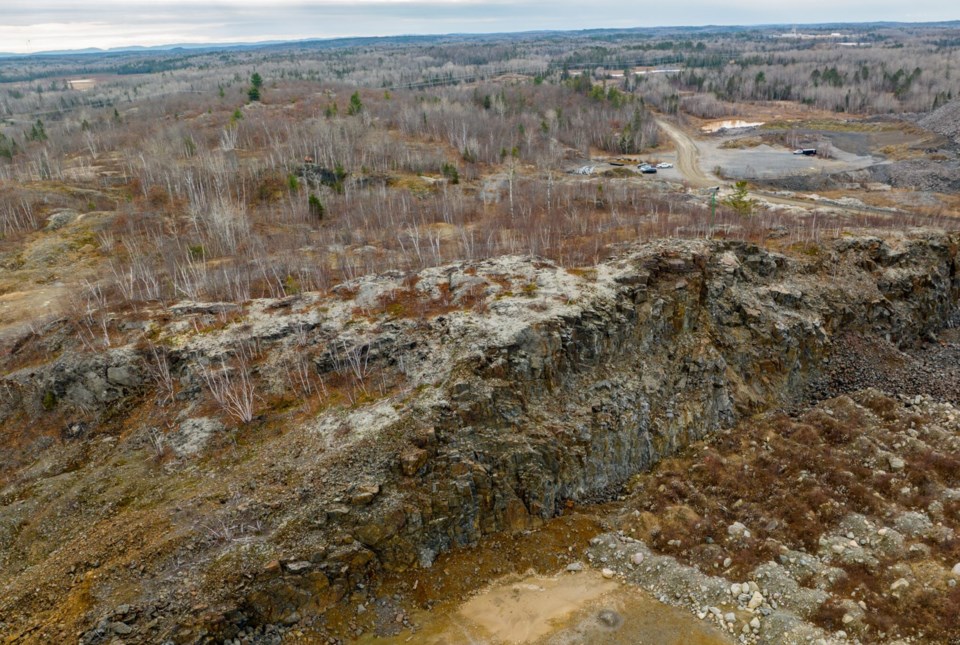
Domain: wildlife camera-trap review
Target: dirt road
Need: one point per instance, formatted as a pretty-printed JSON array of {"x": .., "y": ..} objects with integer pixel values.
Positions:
[{"x": 688, "y": 156}]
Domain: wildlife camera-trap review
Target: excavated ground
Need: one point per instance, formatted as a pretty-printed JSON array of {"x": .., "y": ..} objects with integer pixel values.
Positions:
[
  {"x": 416, "y": 439},
  {"x": 843, "y": 516}
]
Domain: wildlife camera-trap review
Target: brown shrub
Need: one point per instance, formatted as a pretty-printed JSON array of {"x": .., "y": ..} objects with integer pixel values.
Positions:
[
  {"x": 157, "y": 196},
  {"x": 883, "y": 406},
  {"x": 946, "y": 466},
  {"x": 835, "y": 431},
  {"x": 829, "y": 616},
  {"x": 805, "y": 434},
  {"x": 863, "y": 500}
]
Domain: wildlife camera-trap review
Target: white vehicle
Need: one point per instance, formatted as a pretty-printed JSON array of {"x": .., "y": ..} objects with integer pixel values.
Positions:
[{"x": 664, "y": 164}]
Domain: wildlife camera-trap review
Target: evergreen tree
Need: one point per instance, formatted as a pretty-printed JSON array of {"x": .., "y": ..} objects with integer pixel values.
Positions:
[
  {"x": 37, "y": 132},
  {"x": 356, "y": 105},
  {"x": 740, "y": 200},
  {"x": 8, "y": 147},
  {"x": 316, "y": 206},
  {"x": 256, "y": 82}
]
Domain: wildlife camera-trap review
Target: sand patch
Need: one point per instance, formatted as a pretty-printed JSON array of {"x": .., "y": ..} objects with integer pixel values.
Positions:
[
  {"x": 525, "y": 610},
  {"x": 566, "y": 609}
]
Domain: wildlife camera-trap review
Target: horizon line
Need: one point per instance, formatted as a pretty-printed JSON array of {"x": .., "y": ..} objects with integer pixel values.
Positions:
[{"x": 233, "y": 43}]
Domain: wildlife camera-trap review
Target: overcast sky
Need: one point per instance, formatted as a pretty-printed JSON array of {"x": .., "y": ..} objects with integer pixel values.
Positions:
[{"x": 38, "y": 25}]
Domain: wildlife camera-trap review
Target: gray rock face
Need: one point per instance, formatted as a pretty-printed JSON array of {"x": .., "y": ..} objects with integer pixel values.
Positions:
[
  {"x": 60, "y": 219},
  {"x": 913, "y": 523},
  {"x": 85, "y": 381},
  {"x": 575, "y": 405},
  {"x": 193, "y": 434},
  {"x": 123, "y": 375}
]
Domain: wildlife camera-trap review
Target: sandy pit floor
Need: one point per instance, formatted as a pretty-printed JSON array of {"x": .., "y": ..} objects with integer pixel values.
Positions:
[{"x": 566, "y": 609}]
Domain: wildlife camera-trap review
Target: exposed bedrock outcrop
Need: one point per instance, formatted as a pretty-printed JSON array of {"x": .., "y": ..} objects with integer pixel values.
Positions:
[
  {"x": 559, "y": 388},
  {"x": 686, "y": 337}
]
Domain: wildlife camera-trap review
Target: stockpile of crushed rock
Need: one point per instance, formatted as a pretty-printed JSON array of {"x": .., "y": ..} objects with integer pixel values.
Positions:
[
  {"x": 857, "y": 362},
  {"x": 944, "y": 120}
]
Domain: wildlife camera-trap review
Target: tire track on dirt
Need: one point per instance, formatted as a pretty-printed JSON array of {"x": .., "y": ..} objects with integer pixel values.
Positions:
[{"x": 688, "y": 156}]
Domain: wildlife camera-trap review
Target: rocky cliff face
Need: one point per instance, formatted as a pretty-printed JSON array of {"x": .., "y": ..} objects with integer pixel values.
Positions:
[
  {"x": 472, "y": 399},
  {"x": 686, "y": 339}
]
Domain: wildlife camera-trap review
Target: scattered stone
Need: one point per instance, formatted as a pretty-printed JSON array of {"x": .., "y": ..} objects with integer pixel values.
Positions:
[
  {"x": 607, "y": 573},
  {"x": 913, "y": 523},
  {"x": 299, "y": 567},
  {"x": 425, "y": 557},
  {"x": 121, "y": 629},
  {"x": 609, "y": 618},
  {"x": 365, "y": 494},
  {"x": 637, "y": 558},
  {"x": 738, "y": 530},
  {"x": 412, "y": 460},
  {"x": 574, "y": 567},
  {"x": 900, "y": 583}
]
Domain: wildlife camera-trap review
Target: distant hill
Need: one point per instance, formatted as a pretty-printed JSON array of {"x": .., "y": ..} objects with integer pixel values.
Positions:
[
  {"x": 361, "y": 40},
  {"x": 135, "y": 49}
]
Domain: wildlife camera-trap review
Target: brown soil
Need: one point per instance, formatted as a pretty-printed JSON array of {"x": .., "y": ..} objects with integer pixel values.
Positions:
[{"x": 456, "y": 576}]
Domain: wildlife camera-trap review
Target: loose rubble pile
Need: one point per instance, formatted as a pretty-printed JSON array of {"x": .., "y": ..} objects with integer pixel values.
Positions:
[
  {"x": 944, "y": 120},
  {"x": 856, "y": 362}
]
